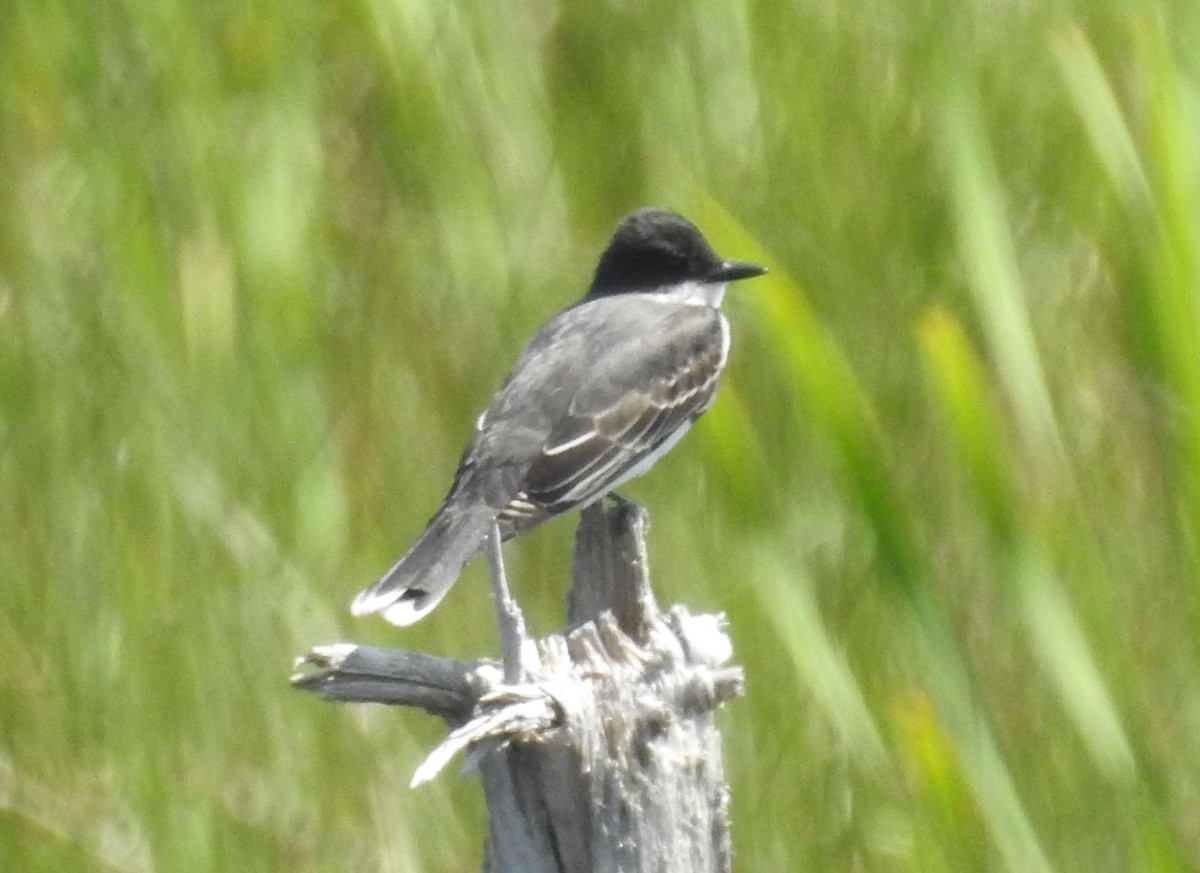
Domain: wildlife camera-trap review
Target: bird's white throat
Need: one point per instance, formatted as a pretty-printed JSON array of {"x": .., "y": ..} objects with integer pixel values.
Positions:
[{"x": 697, "y": 293}]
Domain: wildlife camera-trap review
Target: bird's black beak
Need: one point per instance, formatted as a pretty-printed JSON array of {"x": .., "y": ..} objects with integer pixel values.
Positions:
[{"x": 731, "y": 271}]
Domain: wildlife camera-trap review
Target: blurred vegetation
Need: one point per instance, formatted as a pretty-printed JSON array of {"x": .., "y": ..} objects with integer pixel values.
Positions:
[{"x": 261, "y": 264}]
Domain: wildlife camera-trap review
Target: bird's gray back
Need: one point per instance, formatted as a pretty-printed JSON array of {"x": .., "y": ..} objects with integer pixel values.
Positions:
[{"x": 597, "y": 359}]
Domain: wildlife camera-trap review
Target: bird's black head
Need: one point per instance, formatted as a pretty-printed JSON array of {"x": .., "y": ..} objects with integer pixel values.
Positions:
[{"x": 654, "y": 249}]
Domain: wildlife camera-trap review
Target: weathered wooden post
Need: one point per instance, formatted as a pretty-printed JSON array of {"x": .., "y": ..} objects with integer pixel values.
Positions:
[{"x": 602, "y": 756}]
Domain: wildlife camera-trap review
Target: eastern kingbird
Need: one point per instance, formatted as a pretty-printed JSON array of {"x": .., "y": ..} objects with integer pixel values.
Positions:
[{"x": 603, "y": 389}]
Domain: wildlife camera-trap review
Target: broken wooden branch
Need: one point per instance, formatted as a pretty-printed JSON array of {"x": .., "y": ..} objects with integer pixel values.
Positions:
[{"x": 604, "y": 755}]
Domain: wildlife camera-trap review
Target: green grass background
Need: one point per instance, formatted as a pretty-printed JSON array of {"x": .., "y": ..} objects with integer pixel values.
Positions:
[{"x": 261, "y": 264}]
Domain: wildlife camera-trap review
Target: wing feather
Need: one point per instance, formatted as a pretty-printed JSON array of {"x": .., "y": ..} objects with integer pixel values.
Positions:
[{"x": 637, "y": 399}]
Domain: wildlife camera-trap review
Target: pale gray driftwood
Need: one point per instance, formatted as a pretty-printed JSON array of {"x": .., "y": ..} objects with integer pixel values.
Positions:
[{"x": 604, "y": 756}]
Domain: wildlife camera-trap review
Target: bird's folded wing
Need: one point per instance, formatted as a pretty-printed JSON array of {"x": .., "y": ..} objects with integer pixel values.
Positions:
[{"x": 637, "y": 397}]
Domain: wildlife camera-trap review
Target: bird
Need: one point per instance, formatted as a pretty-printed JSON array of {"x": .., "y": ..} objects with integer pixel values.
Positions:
[{"x": 604, "y": 388}]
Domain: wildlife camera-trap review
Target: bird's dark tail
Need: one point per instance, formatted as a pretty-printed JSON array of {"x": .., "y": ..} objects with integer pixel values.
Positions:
[{"x": 418, "y": 581}]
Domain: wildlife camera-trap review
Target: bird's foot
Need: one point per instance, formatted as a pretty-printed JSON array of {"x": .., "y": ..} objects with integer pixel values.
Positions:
[{"x": 628, "y": 507}]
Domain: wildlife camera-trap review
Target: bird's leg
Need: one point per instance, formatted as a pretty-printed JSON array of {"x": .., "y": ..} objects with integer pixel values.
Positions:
[{"x": 510, "y": 621}]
